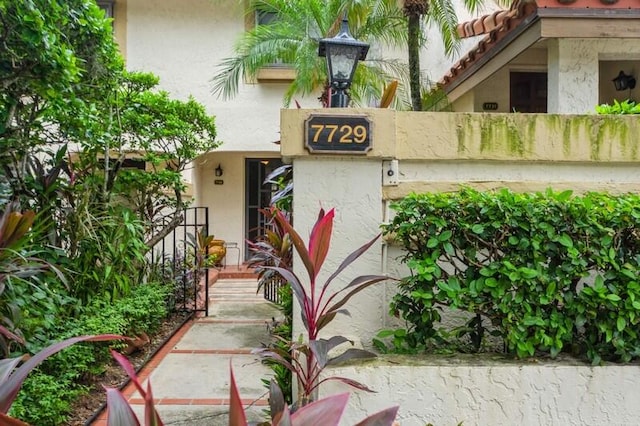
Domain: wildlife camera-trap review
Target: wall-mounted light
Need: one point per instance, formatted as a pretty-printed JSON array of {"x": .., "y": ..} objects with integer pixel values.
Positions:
[
  {"x": 218, "y": 171},
  {"x": 624, "y": 81}
]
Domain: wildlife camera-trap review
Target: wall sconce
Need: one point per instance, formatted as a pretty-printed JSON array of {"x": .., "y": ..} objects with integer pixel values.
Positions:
[
  {"x": 218, "y": 171},
  {"x": 624, "y": 82}
]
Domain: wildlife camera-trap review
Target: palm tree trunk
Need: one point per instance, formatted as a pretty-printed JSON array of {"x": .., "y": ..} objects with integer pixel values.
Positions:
[{"x": 414, "y": 61}]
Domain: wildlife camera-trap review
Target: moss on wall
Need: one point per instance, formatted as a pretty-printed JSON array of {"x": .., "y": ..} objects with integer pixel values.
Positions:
[{"x": 518, "y": 135}]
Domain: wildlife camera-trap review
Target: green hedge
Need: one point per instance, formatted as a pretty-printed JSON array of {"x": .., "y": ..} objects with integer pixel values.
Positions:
[
  {"x": 48, "y": 392},
  {"x": 547, "y": 273}
]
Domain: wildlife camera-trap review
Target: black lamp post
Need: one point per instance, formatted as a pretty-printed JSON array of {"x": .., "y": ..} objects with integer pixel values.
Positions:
[{"x": 343, "y": 53}]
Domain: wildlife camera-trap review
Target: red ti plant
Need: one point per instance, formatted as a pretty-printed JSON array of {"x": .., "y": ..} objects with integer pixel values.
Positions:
[
  {"x": 12, "y": 376},
  {"x": 119, "y": 410},
  {"x": 319, "y": 306},
  {"x": 326, "y": 411}
]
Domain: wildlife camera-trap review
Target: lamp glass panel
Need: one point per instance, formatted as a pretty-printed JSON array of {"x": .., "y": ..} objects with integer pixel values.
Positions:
[{"x": 343, "y": 60}]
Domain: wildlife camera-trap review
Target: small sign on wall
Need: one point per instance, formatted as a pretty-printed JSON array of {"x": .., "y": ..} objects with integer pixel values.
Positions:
[
  {"x": 218, "y": 182},
  {"x": 329, "y": 134},
  {"x": 490, "y": 106}
]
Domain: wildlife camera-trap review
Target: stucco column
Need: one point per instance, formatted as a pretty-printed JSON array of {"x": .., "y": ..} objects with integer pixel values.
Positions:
[
  {"x": 572, "y": 76},
  {"x": 351, "y": 185}
]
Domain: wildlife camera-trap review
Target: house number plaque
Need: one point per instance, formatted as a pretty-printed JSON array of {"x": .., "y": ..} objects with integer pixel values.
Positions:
[{"x": 338, "y": 134}]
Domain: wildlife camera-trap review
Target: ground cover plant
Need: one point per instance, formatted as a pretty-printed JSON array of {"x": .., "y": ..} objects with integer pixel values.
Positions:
[{"x": 546, "y": 273}]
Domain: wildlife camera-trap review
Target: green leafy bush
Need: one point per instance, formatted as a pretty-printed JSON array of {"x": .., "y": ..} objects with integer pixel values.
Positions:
[
  {"x": 52, "y": 395},
  {"x": 624, "y": 107},
  {"x": 142, "y": 311},
  {"x": 545, "y": 272}
]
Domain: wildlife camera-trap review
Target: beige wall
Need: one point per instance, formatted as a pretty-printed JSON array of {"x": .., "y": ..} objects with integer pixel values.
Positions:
[
  {"x": 226, "y": 201},
  {"x": 608, "y": 70},
  {"x": 488, "y": 392},
  {"x": 441, "y": 152},
  {"x": 183, "y": 42}
]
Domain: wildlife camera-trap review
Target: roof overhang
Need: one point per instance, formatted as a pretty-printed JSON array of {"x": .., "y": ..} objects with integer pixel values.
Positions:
[{"x": 498, "y": 48}]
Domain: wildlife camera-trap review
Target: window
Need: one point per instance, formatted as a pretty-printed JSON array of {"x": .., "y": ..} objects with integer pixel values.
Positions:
[
  {"x": 279, "y": 71},
  {"x": 265, "y": 18},
  {"x": 107, "y": 6}
]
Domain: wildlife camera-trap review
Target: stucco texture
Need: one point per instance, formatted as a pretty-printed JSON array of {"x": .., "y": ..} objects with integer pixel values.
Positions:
[{"x": 446, "y": 391}]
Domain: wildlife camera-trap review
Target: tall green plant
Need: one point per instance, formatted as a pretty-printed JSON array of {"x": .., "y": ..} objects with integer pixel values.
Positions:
[{"x": 421, "y": 13}]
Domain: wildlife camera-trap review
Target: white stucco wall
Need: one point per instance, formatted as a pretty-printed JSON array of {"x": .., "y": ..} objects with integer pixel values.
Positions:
[
  {"x": 183, "y": 42},
  {"x": 451, "y": 390},
  {"x": 574, "y": 71},
  {"x": 352, "y": 185}
]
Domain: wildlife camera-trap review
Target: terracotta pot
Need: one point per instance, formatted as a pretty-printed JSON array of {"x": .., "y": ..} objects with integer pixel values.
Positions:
[
  {"x": 217, "y": 249},
  {"x": 137, "y": 344}
]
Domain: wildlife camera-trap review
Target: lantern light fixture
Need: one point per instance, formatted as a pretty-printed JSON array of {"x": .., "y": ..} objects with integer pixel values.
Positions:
[
  {"x": 343, "y": 53},
  {"x": 624, "y": 81}
]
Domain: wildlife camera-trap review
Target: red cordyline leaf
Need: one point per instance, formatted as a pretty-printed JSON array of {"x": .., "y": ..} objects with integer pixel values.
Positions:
[
  {"x": 236, "y": 412},
  {"x": 349, "y": 260},
  {"x": 10, "y": 421},
  {"x": 357, "y": 285},
  {"x": 13, "y": 382},
  {"x": 381, "y": 418},
  {"x": 276, "y": 400},
  {"x": 151, "y": 416},
  {"x": 119, "y": 411},
  {"x": 345, "y": 380},
  {"x": 298, "y": 244},
  {"x": 283, "y": 418},
  {"x": 320, "y": 239},
  {"x": 266, "y": 353},
  {"x": 298, "y": 290},
  {"x": 325, "y": 412},
  {"x": 131, "y": 372},
  {"x": 351, "y": 353}
]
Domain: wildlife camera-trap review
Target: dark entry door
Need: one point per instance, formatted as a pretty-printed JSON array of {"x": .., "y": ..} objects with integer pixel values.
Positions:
[
  {"x": 528, "y": 91},
  {"x": 257, "y": 195}
]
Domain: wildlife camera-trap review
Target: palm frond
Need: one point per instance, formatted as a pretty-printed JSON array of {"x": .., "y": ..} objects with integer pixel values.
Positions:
[{"x": 442, "y": 14}]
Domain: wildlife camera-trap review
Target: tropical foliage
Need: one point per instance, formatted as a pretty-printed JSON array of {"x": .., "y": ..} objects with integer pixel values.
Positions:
[
  {"x": 546, "y": 273},
  {"x": 90, "y": 157},
  {"x": 319, "y": 306},
  {"x": 625, "y": 107},
  {"x": 292, "y": 38}
]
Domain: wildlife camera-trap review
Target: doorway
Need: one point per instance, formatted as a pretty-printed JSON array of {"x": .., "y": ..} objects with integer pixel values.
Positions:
[
  {"x": 257, "y": 196},
  {"x": 528, "y": 92}
]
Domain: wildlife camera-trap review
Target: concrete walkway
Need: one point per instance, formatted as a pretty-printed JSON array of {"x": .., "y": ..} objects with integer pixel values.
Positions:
[{"x": 190, "y": 375}]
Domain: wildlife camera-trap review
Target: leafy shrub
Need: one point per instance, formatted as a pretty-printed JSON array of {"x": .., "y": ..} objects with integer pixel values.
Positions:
[
  {"x": 142, "y": 311},
  {"x": 549, "y": 272},
  {"x": 51, "y": 394},
  {"x": 624, "y": 107}
]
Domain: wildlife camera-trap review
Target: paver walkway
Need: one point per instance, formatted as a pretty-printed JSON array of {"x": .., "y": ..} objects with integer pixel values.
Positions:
[{"x": 190, "y": 375}]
